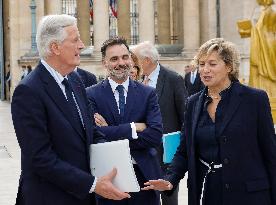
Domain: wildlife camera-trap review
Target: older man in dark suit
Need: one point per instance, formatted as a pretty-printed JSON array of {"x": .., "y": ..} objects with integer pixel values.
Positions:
[
  {"x": 49, "y": 112},
  {"x": 171, "y": 94},
  {"x": 127, "y": 109}
]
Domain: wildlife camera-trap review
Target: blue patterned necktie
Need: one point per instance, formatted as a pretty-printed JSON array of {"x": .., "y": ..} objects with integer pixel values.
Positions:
[
  {"x": 120, "y": 90},
  {"x": 72, "y": 103}
]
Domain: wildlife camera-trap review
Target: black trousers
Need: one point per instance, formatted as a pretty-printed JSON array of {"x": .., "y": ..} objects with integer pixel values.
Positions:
[{"x": 171, "y": 199}]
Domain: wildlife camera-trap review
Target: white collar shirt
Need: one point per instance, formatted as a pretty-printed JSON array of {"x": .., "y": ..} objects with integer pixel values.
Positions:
[
  {"x": 56, "y": 75},
  {"x": 153, "y": 77},
  {"x": 59, "y": 78},
  {"x": 114, "y": 85}
]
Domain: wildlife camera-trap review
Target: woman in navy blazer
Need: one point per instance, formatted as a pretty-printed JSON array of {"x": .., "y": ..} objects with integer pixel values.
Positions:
[{"x": 228, "y": 143}]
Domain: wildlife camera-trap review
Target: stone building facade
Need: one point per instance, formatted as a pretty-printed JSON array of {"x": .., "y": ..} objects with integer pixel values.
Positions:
[{"x": 177, "y": 27}]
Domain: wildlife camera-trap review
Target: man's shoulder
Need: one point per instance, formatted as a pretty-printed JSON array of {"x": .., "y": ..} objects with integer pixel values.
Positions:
[
  {"x": 34, "y": 78},
  {"x": 85, "y": 72},
  {"x": 32, "y": 84},
  {"x": 141, "y": 86},
  {"x": 96, "y": 87},
  {"x": 170, "y": 73}
]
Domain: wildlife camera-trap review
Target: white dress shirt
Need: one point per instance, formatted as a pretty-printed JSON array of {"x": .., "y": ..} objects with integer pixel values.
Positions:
[
  {"x": 125, "y": 84},
  {"x": 193, "y": 76},
  {"x": 153, "y": 77}
]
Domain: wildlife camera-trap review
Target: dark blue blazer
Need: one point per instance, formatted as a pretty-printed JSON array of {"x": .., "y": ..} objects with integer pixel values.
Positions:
[
  {"x": 247, "y": 149},
  {"x": 141, "y": 106},
  {"x": 87, "y": 78},
  {"x": 54, "y": 153}
]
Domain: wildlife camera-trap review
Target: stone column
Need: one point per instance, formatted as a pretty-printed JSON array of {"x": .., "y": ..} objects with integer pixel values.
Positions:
[
  {"x": 124, "y": 19},
  {"x": 179, "y": 21},
  {"x": 208, "y": 20},
  {"x": 191, "y": 27},
  {"x": 163, "y": 21},
  {"x": 212, "y": 19},
  {"x": 53, "y": 7},
  {"x": 146, "y": 20},
  {"x": 83, "y": 17},
  {"x": 101, "y": 23}
]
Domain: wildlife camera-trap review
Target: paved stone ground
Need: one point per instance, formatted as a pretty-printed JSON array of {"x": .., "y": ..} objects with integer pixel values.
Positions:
[
  {"x": 10, "y": 160},
  {"x": 9, "y": 157}
]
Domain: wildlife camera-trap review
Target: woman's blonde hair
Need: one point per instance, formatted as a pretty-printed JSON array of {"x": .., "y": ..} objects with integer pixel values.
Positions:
[
  {"x": 227, "y": 52},
  {"x": 136, "y": 65}
]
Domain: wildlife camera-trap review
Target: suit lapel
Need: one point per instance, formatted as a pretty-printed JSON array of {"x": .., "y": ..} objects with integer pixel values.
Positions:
[
  {"x": 76, "y": 86},
  {"x": 56, "y": 95},
  {"x": 235, "y": 100},
  {"x": 160, "y": 82},
  {"x": 131, "y": 96},
  {"x": 112, "y": 105},
  {"x": 197, "y": 79},
  {"x": 196, "y": 112}
]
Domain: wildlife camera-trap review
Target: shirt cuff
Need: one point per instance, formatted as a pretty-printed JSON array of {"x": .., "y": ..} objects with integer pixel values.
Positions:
[
  {"x": 93, "y": 186},
  {"x": 134, "y": 133}
]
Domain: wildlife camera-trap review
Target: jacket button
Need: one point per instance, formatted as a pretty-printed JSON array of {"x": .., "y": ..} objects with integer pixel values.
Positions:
[
  {"x": 224, "y": 139},
  {"x": 227, "y": 186},
  {"x": 226, "y": 161}
]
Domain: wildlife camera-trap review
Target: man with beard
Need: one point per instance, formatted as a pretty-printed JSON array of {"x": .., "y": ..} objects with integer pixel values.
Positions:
[{"x": 126, "y": 109}]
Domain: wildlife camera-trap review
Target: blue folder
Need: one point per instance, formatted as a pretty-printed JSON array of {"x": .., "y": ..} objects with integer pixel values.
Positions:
[{"x": 170, "y": 143}]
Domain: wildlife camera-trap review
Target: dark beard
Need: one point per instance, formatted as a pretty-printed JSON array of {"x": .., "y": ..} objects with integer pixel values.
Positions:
[{"x": 121, "y": 76}]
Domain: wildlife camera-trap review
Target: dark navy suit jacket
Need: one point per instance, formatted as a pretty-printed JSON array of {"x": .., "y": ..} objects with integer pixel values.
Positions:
[
  {"x": 141, "y": 106},
  {"x": 54, "y": 153},
  {"x": 247, "y": 149},
  {"x": 196, "y": 86},
  {"x": 87, "y": 78},
  {"x": 172, "y": 95}
]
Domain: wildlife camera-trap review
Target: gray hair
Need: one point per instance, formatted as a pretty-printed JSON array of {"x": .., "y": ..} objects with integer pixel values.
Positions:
[
  {"x": 146, "y": 49},
  {"x": 51, "y": 29}
]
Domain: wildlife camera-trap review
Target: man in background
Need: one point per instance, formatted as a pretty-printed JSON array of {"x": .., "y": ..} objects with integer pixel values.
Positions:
[
  {"x": 192, "y": 80},
  {"x": 26, "y": 70},
  {"x": 171, "y": 94}
]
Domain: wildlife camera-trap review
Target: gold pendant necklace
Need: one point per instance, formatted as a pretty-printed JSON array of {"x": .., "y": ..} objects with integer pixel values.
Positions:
[{"x": 213, "y": 97}]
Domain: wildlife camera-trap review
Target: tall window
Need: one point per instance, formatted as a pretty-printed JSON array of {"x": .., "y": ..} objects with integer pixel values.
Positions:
[
  {"x": 155, "y": 22},
  {"x": 69, "y": 7},
  {"x": 113, "y": 28},
  {"x": 134, "y": 38}
]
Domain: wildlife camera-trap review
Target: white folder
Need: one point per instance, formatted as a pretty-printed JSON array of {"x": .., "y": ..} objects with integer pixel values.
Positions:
[{"x": 105, "y": 156}]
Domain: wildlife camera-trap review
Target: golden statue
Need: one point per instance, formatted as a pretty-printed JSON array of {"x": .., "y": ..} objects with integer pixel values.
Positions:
[
  {"x": 262, "y": 51},
  {"x": 265, "y": 2}
]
